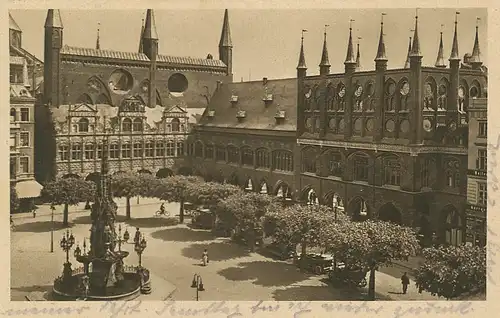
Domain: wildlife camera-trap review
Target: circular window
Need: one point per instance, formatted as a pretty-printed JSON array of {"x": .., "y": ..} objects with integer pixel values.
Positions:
[
  {"x": 369, "y": 89},
  {"x": 332, "y": 123},
  {"x": 474, "y": 92},
  {"x": 369, "y": 124},
  {"x": 404, "y": 126},
  {"x": 427, "y": 125},
  {"x": 358, "y": 125},
  {"x": 177, "y": 83},
  {"x": 391, "y": 87},
  {"x": 389, "y": 125},
  {"x": 442, "y": 90},
  {"x": 341, "y": 125},
  {"x": 120, "y": 82}
]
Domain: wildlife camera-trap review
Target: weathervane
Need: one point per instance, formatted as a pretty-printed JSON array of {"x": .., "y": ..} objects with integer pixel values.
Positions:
[
  {"x": 350, "y": 23},
  {"x": 456, "y": 16},
  {"x": 303, "y": 31},
  {"x": 382, "y": 17}
]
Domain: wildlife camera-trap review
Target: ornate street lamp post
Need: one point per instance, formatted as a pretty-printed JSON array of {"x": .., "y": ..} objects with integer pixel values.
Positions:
[
  {"x": 139, "y": 247},
  {"x": 198, "y": 284},
  {"x": 66, "y": 243},
  {"x": 121, "y": 239}
]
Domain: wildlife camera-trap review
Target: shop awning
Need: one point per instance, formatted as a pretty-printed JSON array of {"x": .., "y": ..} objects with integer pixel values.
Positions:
[{"x": 28, "y": 189}]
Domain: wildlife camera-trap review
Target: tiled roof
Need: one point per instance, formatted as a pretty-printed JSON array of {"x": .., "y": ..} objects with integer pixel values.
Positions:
[
  {"x": 17, "y": 90},
  {"x": 16, "y": 60},
  {"x": 258, "y": 115},
  {"x": 133, "y": 56},
  {"x": 190, "y": 61},
  {"x": 71, "y": 50}
]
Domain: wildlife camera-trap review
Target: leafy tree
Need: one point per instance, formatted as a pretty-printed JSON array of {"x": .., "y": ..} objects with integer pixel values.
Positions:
[
  {"x": 245, "y": 211},
  {"x": 131, "y": 184},
  {"x": 453, "y": 271},
  {"x": 299, "y": 224},
  {"x": 209, "y": 194},
  {"x": 68, "y": 191},
  {"x": 14, "y": 200},
  {"x": 369, "y": 244},
  {"x": 176, "y": 189}
]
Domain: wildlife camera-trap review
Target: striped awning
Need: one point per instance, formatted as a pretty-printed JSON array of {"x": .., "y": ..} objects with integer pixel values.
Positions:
[{"x": 28, "y": 189}]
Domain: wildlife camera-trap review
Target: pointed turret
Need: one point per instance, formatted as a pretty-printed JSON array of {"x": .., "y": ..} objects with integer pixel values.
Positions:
[
  {"x": 381, "y": 56},
  {"x": 475, "y": 59},
  {"x": 358, "y": 59},
  {"x": 324, "y": 65},
  {"x": 454, "y": 47},
  {"x": 53, "y": 19},
  {"x": 415, "y": 48},
  {"x": 350, "y": 59},
  {"x": 97, "y": 42},
  {"x": 141, "y": 44},
  {"x": 13, "y": 25},
  {"x": 440, "y": 58},
  {"x": 226, "y": 44},
  {"x": 407, "y": 63},
  {"x": 150, "y": 26},
  {"x": 301, "y": 66}
]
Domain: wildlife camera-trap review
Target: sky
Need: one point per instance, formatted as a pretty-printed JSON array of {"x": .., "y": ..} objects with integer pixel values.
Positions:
[{"x": 266, "y": 42}]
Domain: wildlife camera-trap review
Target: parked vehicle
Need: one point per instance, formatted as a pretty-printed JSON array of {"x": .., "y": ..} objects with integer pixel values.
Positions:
[
  {"x": 241, "y": 236},
  {"x": 316, "y": 263},
  {"x": 280, "y": 251},
  {"x": 202, "y": 218}
]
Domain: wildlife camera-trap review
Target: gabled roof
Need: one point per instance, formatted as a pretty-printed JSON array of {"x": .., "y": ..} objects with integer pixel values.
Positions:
[
  {"x": 83, "y": 108},
  {"x": 17, "y": 90},
  {"x": 190, "y": 61},
  {"x": 250, "y": 97},
  {"x": 174, "y": 109},
  {"x": 22, "y": 52},
  {"x": 13, "y": 25}
]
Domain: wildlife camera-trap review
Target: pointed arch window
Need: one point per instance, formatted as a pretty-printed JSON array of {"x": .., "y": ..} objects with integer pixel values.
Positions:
[
  {"x": 247, "y": 156},
  {"x": 360, "y": 163},
  {"x": 262, "y": 159},
  {"x": 233, "y": 154},
  {"x": 390, "y": 98},
  {"x": 427, "y": 173},
  {"x": 83, "y": 125},
  {"x": 337, "y": 202},
  {"x": 309, "y": 160},
  {"x": 340, "y": 97},
  {"x": 452, "y": 167},
  {"x": 220, "y": 153},
  {"x": 334, "y": 163},
  {"x": 358, "y": 98},
  {"x": 198, "y": 149},
  {"x": 392, "y": 171},
  {"x": 137, "y": 125},
  {"x": 430, "y": 95},
  {"x": 282, "y": 160},
  {"x": 404, "y": 95},
  {"x": 209, "y": 151},
  {"x": 127, "y": 125},
  {"x": 463, "y": 97},
  {"x": 330, "y": 98}
]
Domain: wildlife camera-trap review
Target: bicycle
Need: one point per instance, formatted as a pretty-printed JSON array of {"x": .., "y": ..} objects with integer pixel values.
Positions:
[{"x": 160, "y": 213}]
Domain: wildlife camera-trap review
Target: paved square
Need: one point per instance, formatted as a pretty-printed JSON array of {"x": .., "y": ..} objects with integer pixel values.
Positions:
[{"x": 173, "y": 254}]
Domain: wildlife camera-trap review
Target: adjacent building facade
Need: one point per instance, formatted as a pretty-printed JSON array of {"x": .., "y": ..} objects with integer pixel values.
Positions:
[
  {"x": 144, "y": 102},
  {"x": 390, "y": 144},
  {"x": 22, "y": 119},
  {"x": 477, "y": 200}
]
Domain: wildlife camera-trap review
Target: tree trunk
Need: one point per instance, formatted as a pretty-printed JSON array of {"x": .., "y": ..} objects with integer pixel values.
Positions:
[
  {"x": 128, "y": 208},
  {"x": 251, "y": 241},
  {"x": 181, "y": 211},
  {"x": 303, "y": 256},
  {"x": 65, "y": 215},
  {"x": 371, "y": 284}
]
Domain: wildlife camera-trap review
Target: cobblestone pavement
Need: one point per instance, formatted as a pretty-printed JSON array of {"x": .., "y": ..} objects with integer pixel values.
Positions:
[{"x": 174, "y": 253}]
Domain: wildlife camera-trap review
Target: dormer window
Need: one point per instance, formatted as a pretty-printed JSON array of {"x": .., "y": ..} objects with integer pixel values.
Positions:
[
  {"x": 175, "y": 125},
  {"x": 137, "y": 125},
  {"x": 280, "y": 116},
  {"x": 241, "y": 114},
  {"x": 234, "y": 99},
  {"x": 83, "y": 125},
  {"x": 268, "y": 98},
  {"x": 127, "y": 125},
  {"x": 211, "y": 113}
]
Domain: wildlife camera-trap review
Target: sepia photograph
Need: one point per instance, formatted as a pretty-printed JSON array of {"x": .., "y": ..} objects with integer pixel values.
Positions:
[{"x": 246, "y": 155}]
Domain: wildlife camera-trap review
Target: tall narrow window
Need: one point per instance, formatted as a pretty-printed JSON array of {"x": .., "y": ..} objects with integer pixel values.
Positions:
[
  {"x": 83, "y": 125},
  {"x": 24, "y": 164},
  {"x": 114, "y": 151},
  {"x": 282, "y": 160},
  {"x": 175, "y": 124},
  {"x": 335, "y": 164},
  {"x": 247, "y": 156},
  {"x": 160, "y": 149},
  {"x": 149, "y": 150},
  {"x": 360, "y": 165},
  {"x": 180, "y": 148},
  {"x": 89, "y": 151},
  {"x": 63, "y": 152},
  {"x": 138, "y": 150},
  {"x": 453, "y": 173},
  {"x": 209, "y": 151},
  {"x": 76, "y": 152},
  {"x": 220, "y": 153},
  {"x": 262, "y": 159},
  {"x": 483, "y": 129},
  {"x": 308, "y": 160},
  {"x": 170, "y": 149},
  {"x": 392, "y": 171},
  {"x": 137, "y": 125},
  {"x": 25, "y": 114},
  {"x": 233, "y": 154},
  {"x": 126, "y": 153},
  {"x": 198, "y": 149},
  {"x": 24, "y": 139},
  {"x": 481, "y": 194},
  {"x": 127, "y": 125},
  {"x": 482, "y": 160},
  {"x": 99, "y": 151}
]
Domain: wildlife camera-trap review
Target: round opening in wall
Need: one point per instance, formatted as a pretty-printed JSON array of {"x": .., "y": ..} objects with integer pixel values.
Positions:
[
  {"x": 177, "y": 83},
  {"x": 120, "y": 82}
]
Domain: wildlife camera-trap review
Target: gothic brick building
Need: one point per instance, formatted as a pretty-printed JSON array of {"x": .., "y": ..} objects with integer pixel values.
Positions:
[
  {"x": 145, "y": 102},
  {"x": 391, "y": 144}
]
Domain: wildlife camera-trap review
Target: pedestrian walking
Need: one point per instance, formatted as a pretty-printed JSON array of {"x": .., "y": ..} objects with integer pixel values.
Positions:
[
  {"x": 405, "y": 281},
  {"x": 137, "y": 236},
  {"x": 204, "y": 258}
]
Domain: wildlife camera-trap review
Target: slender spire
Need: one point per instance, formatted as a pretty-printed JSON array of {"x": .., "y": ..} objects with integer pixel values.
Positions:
[
  {"x": 225, "y": 37},
  {"x": 440, "y": 58},
  {"x": 302, "y": 59},
  {"x": 381, "y": 55},
  {"x": 358, "y": 56},
  {"x": 415, "y": 48},
  {"x": 454, "y": 47},
  {"x": 407, "y": 63},
  {"x": 13, "y": 25},
  {"x": 476, "y": 52},
  {"x": 53, "y": 19},
  {"x": 97, "y": 43},
  {"x": 349, "y": 59},
  {"x": 141, "y": 44},
  {"x": 150, "y": 26},
  {"x": 324, "y": 54}
]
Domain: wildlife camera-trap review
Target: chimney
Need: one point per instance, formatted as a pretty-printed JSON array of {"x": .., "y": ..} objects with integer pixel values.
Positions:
[
  {"x": 219, "y": 84},
  {"x": 264, "y": 81}
]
